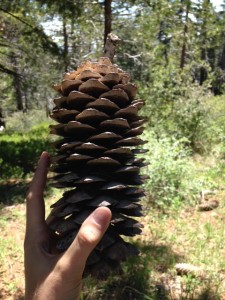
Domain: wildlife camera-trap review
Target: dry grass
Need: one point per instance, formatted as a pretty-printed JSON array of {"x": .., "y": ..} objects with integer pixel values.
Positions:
[
  {"x": 12, "y": 225},
  {"x": 185, "y": 235}
]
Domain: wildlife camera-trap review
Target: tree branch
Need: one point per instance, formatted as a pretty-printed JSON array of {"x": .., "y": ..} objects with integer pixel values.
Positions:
[
  {"x": 16, "y": 17},
  {"x": 46, "y": 42},
  {"x": 8, "y": 71}
]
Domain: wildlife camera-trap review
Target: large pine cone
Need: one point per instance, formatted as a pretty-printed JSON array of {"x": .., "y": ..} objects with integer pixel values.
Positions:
[
  {"x": 96, "y": 157},
  {"x": 188, "y": 269},
  {"x": 208, "y": 205}
]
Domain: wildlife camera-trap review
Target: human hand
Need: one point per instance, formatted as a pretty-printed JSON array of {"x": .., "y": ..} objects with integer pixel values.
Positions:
[{"x": 56, "y": 276}]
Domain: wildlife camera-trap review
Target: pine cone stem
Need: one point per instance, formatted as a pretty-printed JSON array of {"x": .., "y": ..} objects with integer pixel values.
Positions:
[{"x": 110, "y": 46}]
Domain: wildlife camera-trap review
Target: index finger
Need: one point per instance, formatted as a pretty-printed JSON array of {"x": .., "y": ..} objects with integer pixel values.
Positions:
[{"x": 35, "y": 208}]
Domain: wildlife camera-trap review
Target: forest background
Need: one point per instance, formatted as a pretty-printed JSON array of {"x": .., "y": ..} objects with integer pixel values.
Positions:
[{"x": 175, "y": 53}]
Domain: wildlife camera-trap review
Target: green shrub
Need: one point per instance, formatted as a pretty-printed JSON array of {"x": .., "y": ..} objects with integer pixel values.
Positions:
[
  {"x": 171, "y": 173},
  {"x": 215, "y": 132},
  {"x": 19, "y": 152},
  {"x": 23, "y": 122},
  {"x": 190, "y": 118},
  {"x": 175, "y": 105}
]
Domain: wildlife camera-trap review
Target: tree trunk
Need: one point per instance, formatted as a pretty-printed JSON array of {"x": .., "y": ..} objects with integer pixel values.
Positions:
[
  {"x": 203, "y": 72},
  {"x": 221, "y": 63},
  {"x": 72, "y": 31},
  {"x": 108, "y": 18},
  {"x": 185, "y": 31},
  {"x": 17, "y": 83},
  {"x": 66, "y": 46},
  {"x": 26, "y": 101},
  {"x": 2, "y": 122},
  {"x": 203, "y": 56},
  {"x": 18, "y": 91}
]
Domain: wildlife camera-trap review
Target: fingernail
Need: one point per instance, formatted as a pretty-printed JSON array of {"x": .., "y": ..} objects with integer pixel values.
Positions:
[
  {"x": 101, "y": 216},
  {"x": 44, "y": 153},
  {"x": 46, "y": 156}
]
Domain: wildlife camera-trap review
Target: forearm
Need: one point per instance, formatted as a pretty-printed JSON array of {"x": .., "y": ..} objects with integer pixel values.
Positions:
[
  {"x": 54, "y": 292},
  {"x": 55, "y": 288}
]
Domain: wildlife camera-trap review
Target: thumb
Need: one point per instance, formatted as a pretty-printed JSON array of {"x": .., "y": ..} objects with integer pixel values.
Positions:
[{"x": 87, "y": 238}]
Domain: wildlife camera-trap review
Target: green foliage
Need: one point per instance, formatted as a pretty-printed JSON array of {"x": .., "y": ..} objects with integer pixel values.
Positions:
[
  {"x": 176, "y": 106},
  {"x": 67, "y": 7},
  {"x": 23, "y": 122},
  {"x": 19, "y": 152},
  {"x": 26, "y": 57},
  {"x": 170, "y": 171},
  {"x": 215, "y": 131}
]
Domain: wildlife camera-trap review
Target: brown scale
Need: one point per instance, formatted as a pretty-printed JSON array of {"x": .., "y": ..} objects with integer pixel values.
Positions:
[{"x": 96, "y": 157}]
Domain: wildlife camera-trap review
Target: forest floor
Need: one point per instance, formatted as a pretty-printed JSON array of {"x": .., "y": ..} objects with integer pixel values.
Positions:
[{"x": 183, "y": 235}]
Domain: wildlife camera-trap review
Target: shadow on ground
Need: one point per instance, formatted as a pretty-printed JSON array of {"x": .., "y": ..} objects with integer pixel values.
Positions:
[
  {"x": 14, "y": 191},
  {"x": 150, "y": 277},
  {"x": 135, "y": 283},
  {"x": 209, "y": 294}
]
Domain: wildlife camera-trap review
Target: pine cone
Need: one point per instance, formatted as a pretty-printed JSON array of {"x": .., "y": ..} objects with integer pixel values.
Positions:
[
  {"x": 188, "y": 269},
  {"x": 96, "y": 158},
  {"x": 208, "y": 205}
]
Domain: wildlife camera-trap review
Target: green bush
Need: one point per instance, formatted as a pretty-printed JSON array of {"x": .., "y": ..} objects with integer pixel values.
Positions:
[
  {"x": 170, "y": 170},
  {"x": 23, "y": 122},
  {"x": 19, "y": 152},
  {"x": 215, "y": 132},
  {"x": 175, "y": 105}
]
